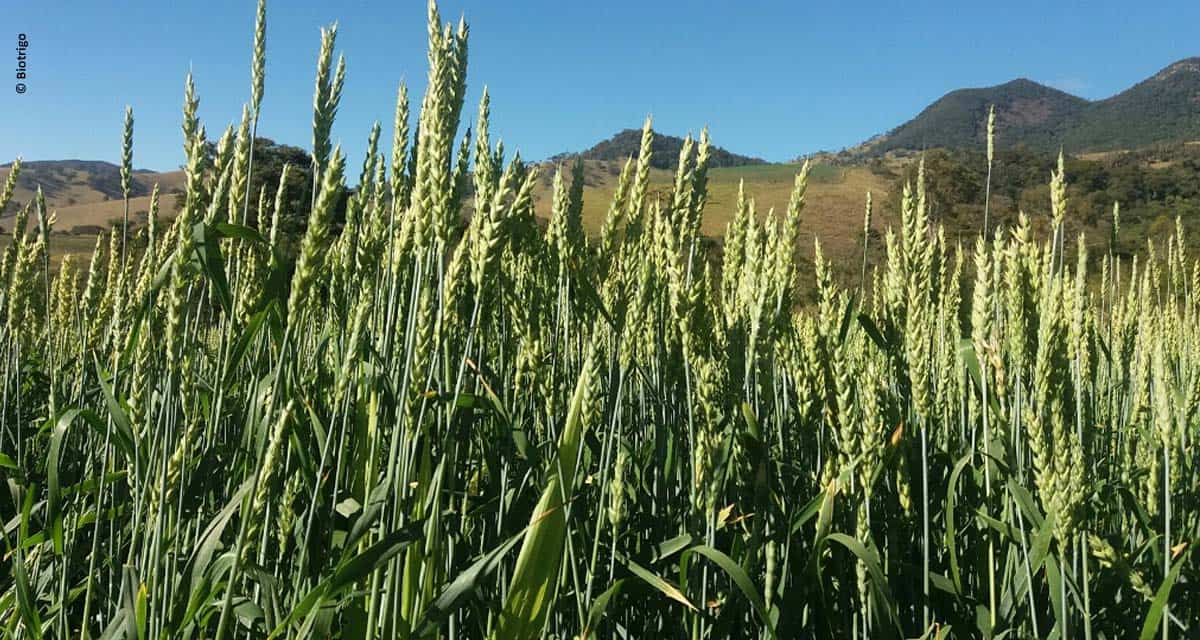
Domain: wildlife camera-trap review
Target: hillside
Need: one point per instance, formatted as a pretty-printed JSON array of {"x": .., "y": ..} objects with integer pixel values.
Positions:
[
  {"x": 664, "y": 152},
  {"x": 1028, "y": 112},
  {"x": 87, "y": 193},
  {"x": 835, "y": 196},
  {"x": 1164, "y": 107},
  {"x": 1154, "y": 186},
  {"x": 833, "y": 210}
]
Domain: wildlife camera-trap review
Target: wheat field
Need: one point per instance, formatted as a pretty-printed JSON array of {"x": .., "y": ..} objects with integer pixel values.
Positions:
[{"x": 409, "y": 425}]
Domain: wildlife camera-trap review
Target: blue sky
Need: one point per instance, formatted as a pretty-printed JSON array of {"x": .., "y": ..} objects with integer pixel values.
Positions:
[{"x": 773, "y": 79}]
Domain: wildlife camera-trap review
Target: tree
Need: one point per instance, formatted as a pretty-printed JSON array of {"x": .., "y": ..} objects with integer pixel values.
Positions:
[{"x": 269, "y": 160}]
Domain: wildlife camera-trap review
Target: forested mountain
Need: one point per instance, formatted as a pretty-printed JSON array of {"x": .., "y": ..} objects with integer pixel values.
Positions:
[
  {"x": 664, "y": 151},
  {"x": 1164, "y": 107}
]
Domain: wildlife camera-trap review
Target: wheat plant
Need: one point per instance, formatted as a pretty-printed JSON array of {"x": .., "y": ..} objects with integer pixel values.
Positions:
[{"x": 433, "y": 415}]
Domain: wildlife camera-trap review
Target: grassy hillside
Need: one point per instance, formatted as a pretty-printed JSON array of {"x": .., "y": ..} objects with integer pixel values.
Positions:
[
  {"x": 85, "y": 193},
  {"x": 1152, "y": 186},
  {"x": 834, "y": 210}
]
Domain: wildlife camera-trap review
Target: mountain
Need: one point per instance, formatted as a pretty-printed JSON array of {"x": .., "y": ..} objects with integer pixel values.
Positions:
[
  {"x": 56, "y": 177},
  {"x": 87, "y": 193},
  {"x": 664, "y": 152},
  {"x": 1164, "y": 107},
  {"x": 1025, "y": 110}
]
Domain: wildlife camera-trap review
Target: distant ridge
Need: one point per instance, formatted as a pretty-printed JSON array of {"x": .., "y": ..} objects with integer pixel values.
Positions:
[
  {"x": 664, "y": 152},
  {"x": 56, "y": 176},
  {"x": 85, "y": 195},
  {"x": 1164, "y": 107}
]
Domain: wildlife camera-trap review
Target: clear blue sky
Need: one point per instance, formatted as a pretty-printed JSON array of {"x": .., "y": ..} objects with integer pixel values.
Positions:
[{"x": 773, "y": 79}]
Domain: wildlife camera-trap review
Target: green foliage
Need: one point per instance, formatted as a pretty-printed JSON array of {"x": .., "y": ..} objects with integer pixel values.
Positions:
[
  {"x": 269, "y": 160},
  {"x": 1153, "y": 186}
]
